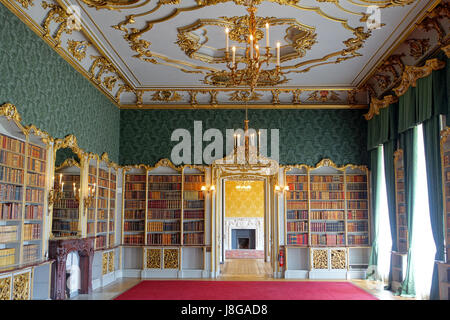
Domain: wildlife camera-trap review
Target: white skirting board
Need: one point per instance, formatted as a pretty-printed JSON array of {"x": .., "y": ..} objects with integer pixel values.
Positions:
[
  {"x": 296, "y": 274},
  {"x": 328, "y": 274},
  {"x": 105, "y": 280}
]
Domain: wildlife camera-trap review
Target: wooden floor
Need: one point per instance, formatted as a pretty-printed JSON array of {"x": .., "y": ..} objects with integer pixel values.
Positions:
[{"x": 237, "y": 270}]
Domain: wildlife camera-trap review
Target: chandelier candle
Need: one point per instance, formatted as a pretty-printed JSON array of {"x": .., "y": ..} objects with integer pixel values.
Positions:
[
  {"x": 251, "y": 46},
  {"x": 278, "y": 54},
  {"x": 227, "y": 44},
  {"x": 267, "y": 35},
  {"x": 234, "y": 55}
]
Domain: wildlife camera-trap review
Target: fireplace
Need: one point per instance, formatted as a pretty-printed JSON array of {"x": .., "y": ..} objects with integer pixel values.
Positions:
[{"x": 243, "y": 239}]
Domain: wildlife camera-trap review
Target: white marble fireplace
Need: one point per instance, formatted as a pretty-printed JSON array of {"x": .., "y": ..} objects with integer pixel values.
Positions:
[{"x": 256, "y": 224}]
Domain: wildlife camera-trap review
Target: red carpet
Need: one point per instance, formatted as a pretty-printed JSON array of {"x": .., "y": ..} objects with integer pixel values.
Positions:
[{"x": 244, "y": 290}]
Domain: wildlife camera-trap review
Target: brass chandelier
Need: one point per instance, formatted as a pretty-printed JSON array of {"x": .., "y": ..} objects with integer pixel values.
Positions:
[{"x": 253, "y": 58}]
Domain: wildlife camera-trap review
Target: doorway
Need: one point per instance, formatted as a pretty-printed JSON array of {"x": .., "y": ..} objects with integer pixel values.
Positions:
[{"x": 244, "y": 229}]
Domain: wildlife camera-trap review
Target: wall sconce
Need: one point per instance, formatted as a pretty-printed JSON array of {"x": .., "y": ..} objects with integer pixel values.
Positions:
[
  {"x": 88, "y": 201},
  {"x": 211, "y": 188},
  {"x": 55, "y": 193},
  {"x": 279, "y": 189}
]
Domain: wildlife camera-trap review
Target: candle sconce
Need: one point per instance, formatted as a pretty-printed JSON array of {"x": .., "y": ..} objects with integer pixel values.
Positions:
[{"x": 55, "y": 193}]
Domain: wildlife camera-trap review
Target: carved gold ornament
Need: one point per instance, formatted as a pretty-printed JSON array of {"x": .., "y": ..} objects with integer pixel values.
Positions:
[
  {"x": 68, "y": 22},
  {"x": 21, "y": 286},
  {"x": 412, "y": 74},
  {"x": 153, "y": 259},
  {"x": 9, "y": 111},
  {"x": 323, "y": 96},
  {"x": 320, "y": 259},
  {"x": 104, "y": 263},
  {"x": 5, "y": 288},
  {"x": 418, "y": 47},
  {"x": 109, "y": 4},
  {"x": 376, "y": 105},
  {"x": 166, "y": 96},
  {"x": 78, "y": 48},
  {"x": 446, "y": 50},
  {"x": 244, "y": 96},
  {"x": 26, "y": 3},
  {"x": 338, "y": 259},
  {"x": 170, "y": 258}
]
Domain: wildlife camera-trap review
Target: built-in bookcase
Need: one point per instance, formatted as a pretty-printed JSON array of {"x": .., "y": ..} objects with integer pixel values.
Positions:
[
  {"x": 193, "y": 208},
  {"x": 66, "y": 216},
  {"x": 402, "y": 221},
  {"x": 445, "y": 162},
  {"x": 23, "y": 167},
  {"x": 91, "y": 212},
  {"x": 134, "y": 206}
]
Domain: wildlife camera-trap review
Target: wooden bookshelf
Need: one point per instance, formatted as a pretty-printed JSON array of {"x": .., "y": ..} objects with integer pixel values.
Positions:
[
  {"x": 23, "y": 167},
  {"x": 91, "y": 210},
  {"x": 401, "y": 205},
  {"x": 134, "y": 207},
  {"x": 327, "y": 206},
  {"x": 112, "y": 208},
  {"x": 193, "y": 209},
  {"x": 165, "y": 205},
  {"x": 297, "y": 207},
  {"x": 445, "y": 163},
  {"x": 66, "y": 214}
]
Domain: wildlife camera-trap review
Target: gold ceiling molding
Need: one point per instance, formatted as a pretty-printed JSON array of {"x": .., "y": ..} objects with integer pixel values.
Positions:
[
  {"x": 431, "y": 22},
  {"x": 166, "y": 96},
  {"x": 376, "y": 105},
  {"x": 412, "y": 74},
  {"x": 323, "y": 96},
  {"x": 68, "y": 22},
  {"x": 418, "y": 47},
  {"x": 78, "y": 48},
  {"x": 109, "y": 4},
  {"x": 26, "y": 3}
]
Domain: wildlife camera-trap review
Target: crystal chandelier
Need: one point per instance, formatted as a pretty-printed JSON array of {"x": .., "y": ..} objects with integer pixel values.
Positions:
[
  {"x": 244, "y": 186},
  {"x": 253, "y": 58}
]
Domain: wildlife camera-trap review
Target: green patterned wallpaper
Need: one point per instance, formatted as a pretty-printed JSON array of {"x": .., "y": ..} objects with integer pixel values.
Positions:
[
  {"x": 306, "y": 136},
  {"x": 50, "y": 93}
]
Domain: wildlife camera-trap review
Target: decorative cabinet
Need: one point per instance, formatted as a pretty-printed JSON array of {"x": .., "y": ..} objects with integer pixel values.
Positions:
[
  {"x": 17, "y": 285},
  {"x": 162, "y": 258}
]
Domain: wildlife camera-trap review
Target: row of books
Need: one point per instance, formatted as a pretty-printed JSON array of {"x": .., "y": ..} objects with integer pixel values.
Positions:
[
  {"x": 337, "y": 226},
  {"x": 92, "y": 170},
  {"x": 102, "y": 203},
  {"x": 401, "y": 197},
  {"x": 300, "y": 238},
  {"x": 163, "y": 226},
  {"x": 102, "y": 227},
  {"x": 103, "y": 183},
  {"x": 135, "y": 178},
  {"x": 37, "y": 152},
  {"x": 69, "y": 179},
  {"x": 359, "y": 226},
  {"x": 65, "y": 214},
  {"x": 193, "y": 226},
  {"x": 327, "y": 178},
  {"x": 111, "y": 226},
  {"x": 157, "y": 195},
  {"x": 163, "y": 214},
  {"x": 403, "y": 232},
  {"x": 134, "y": 214},
  {"x": 297, "y": 214},
  {"x": 12, "y": 144},
  {"x": 165, "y": 178},
  {"x": 302, "y": 195},
  {"x": 34, "y": 195},
  {"x": 298, "y": 186},
  {"x": 102, "y": 192},
  {"x": 194, "y": 214},
  {"x": 200, "y": 178},
  {"x": 134, "y": 204},
  {"x": 356, "y": 186},
  {"x": 165, "y": 204},
  {"x": 103, "y": 174},
  {"x": 163, "y": 238},
  {"x": 356, "y": 178},
  {"x": 30, "y": 253},
  {"x": 90, "y": 228},
  {"x": 65, "y": 225},
  {"x": 357, "y": 204},
  {"x": 400, "y": 173},
  {"x": 100, "y": 242},
  {"x": 328, "y": 239},
  {"x": 36, "y": 180},
  {"x": 10, "y": 211},
  {"x": 7, "y": 257},
  {"x": 297, "y": 226},
  {"x": 357, "y": 195},
  {"x": 297, "y": 205},
  {"x": 296, "y": 178},
  {"x": 133, "y": 226},
  {"x": 135, "y": 187},
  {"x": 327, "y": 215},
  {"x": 36, "y": 165},
  {"x": 326, "y": 195},
  {"x": 191, "y": 186},
  {"x": 358, "y": 239},
  {"x": 194, "y": 204},
  {"x": 193, "y": 195},
  {"x": 357, "y": 214},
  {"x": 66, "y": 204},
  {"x": 133, "y": 239},
  {"x": 193, "y": 238},
  {"x": 402, "y": 220},
  {"x": 164, "y": 186},
  {"x": 31, "y": 231},
  {"x": 10, "y": 192},
  {"x": 327, "y": 187},
  {"x": 328, "y": 205},
  {"x": 8, "y": 233},
  {"x": 11, "y": 159},
  {"x": 102, "y": 214},
  {"x": 11, "y": 175},
  {"x": 137, "y": 195}
]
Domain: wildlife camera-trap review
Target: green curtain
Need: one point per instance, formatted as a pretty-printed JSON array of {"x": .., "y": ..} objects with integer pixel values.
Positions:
[
  {"x": 408, "y": 142},
  {"x": 389, "y": 171},
  {"x": 407, "y": 115},
  {"x": 381, "y": 127},
  {"x": 431, "y": 138},
  {"x": 375, "y": 157}
]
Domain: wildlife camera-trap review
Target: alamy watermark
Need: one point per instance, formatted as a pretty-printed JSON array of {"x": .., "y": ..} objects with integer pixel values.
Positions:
[{"x": 218, "y": 144}]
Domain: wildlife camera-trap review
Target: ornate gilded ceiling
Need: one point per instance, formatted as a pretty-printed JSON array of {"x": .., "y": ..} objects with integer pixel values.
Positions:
[{"x": 171, "y": 53}]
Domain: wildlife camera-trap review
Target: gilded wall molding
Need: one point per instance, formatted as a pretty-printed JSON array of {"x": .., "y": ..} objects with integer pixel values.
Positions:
[
  {"x": 446, "y": 50},
  {"x": 376, "y": 105}
]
